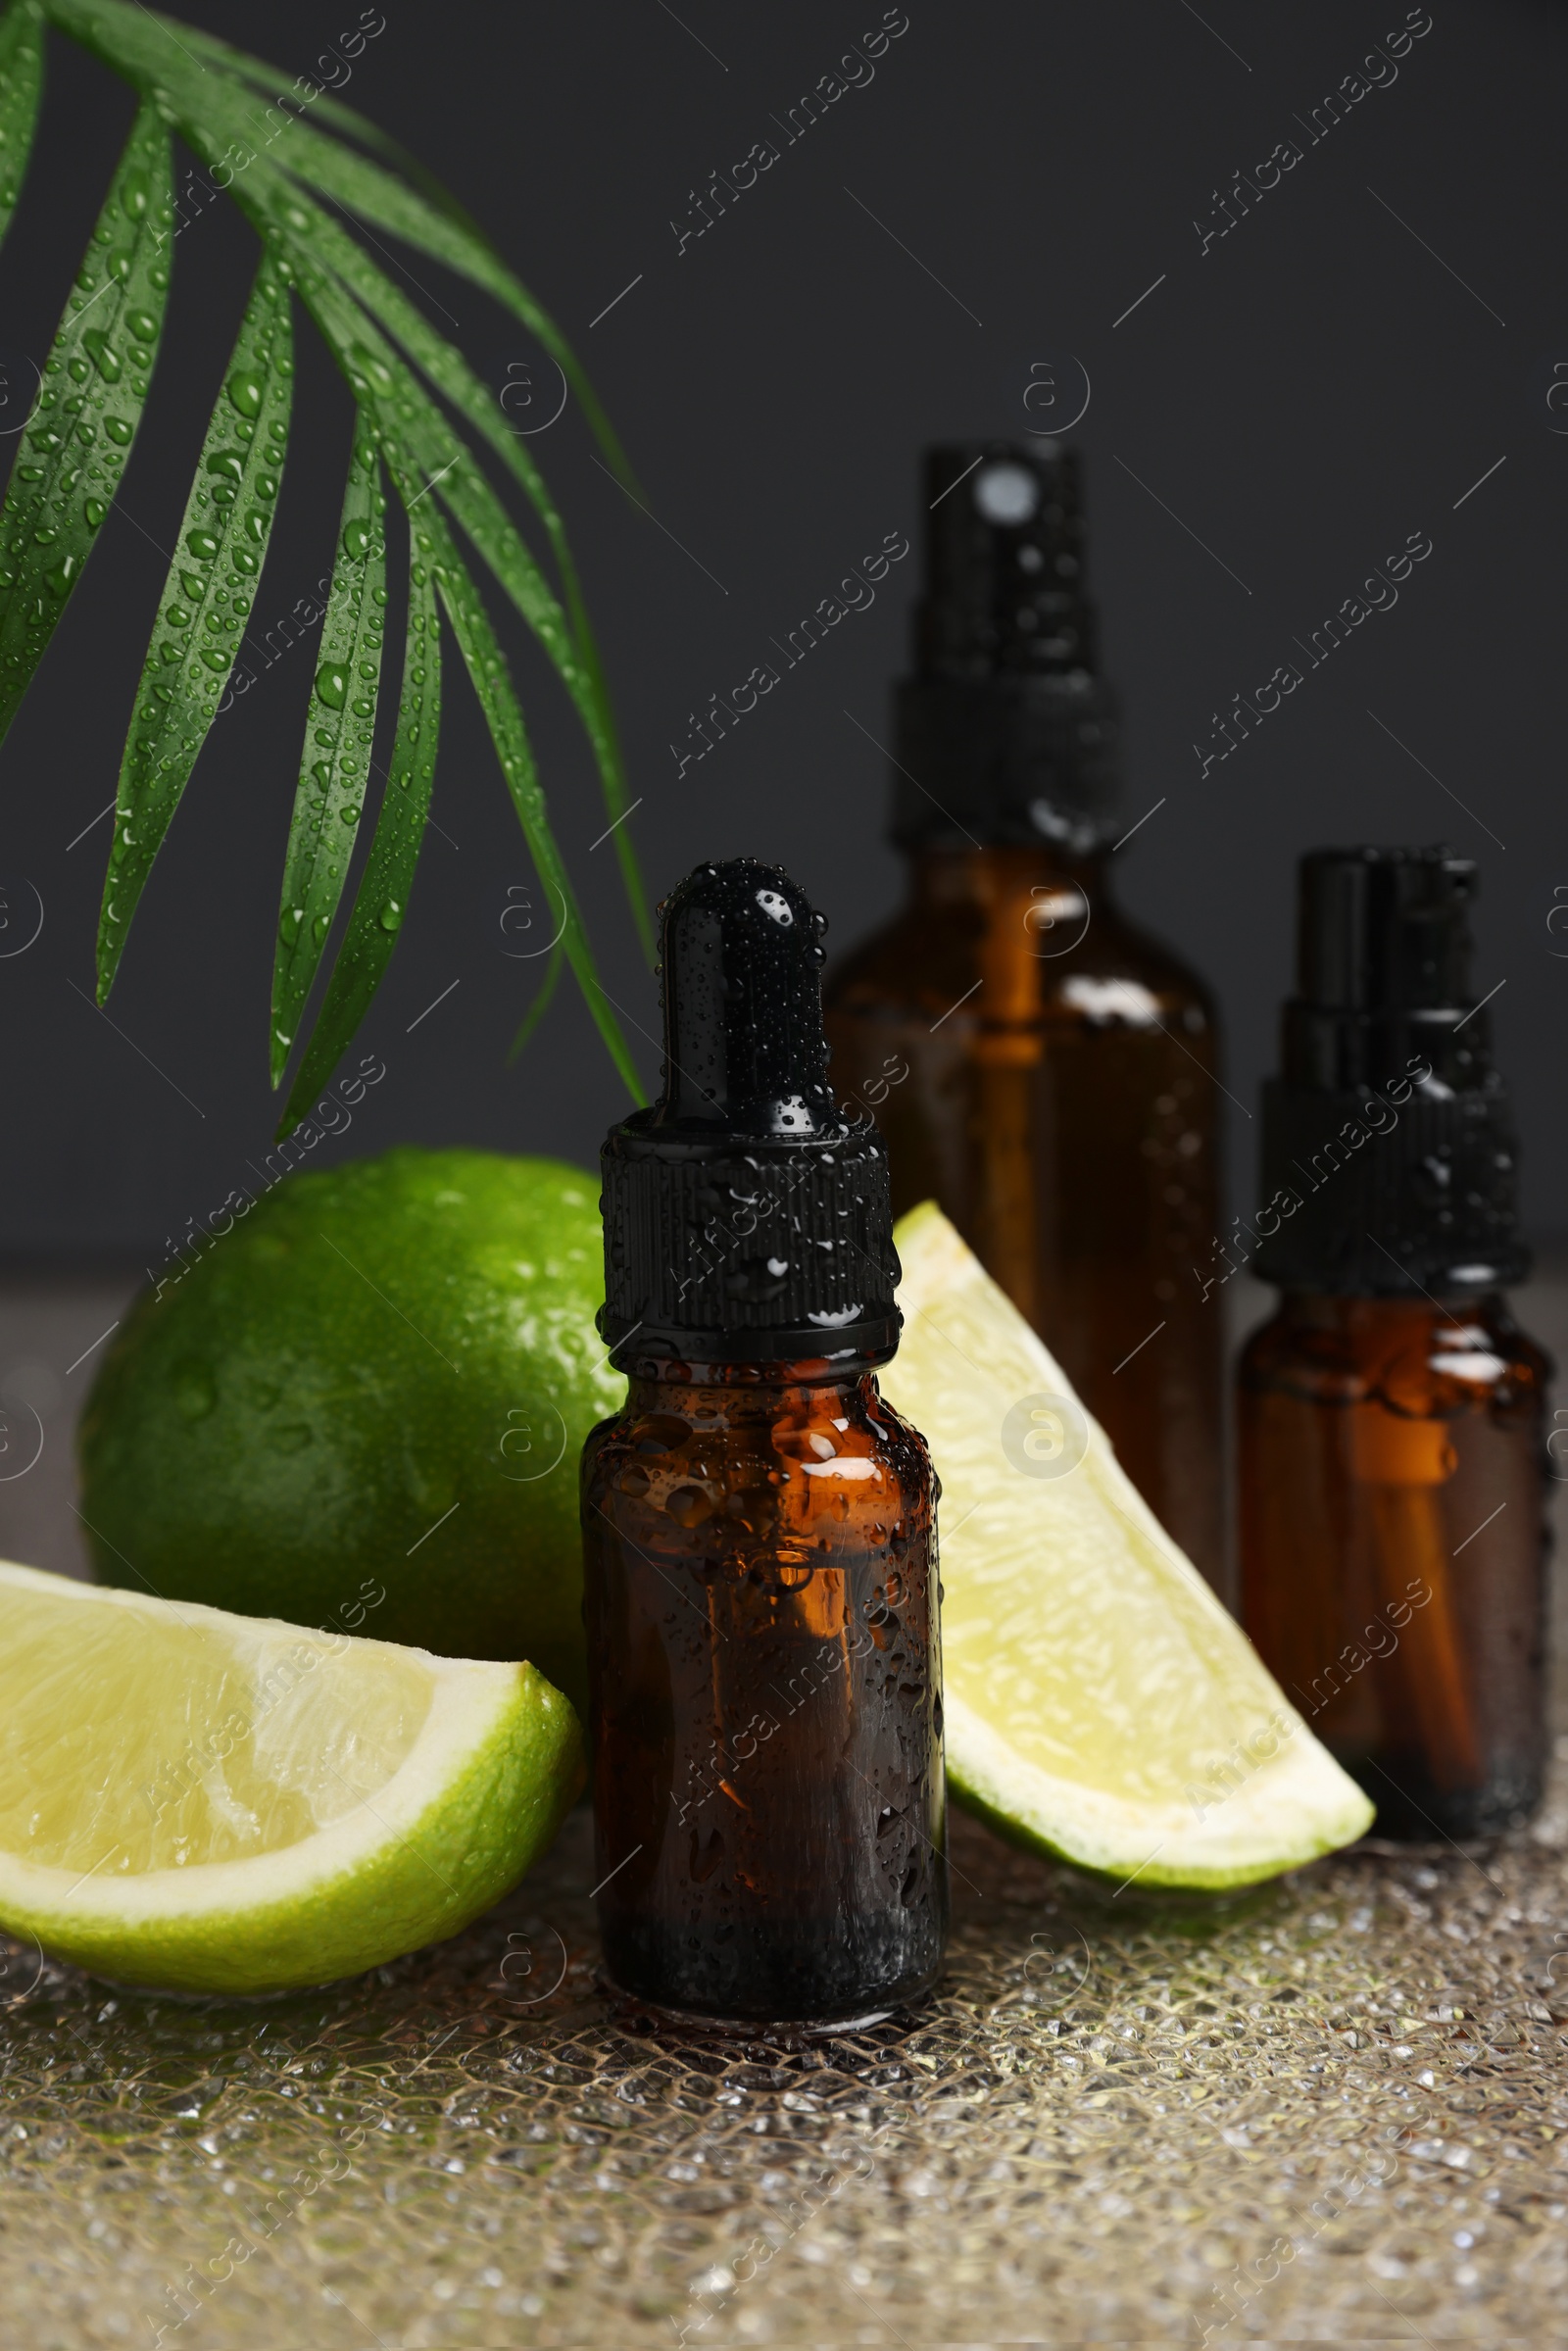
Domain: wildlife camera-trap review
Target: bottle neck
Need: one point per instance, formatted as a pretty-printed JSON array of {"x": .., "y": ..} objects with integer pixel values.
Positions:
[
  {"x": 1327, "y": 1310},
  {"x": 988, "y": 876},
  {"x": 737, "y": 1391}
]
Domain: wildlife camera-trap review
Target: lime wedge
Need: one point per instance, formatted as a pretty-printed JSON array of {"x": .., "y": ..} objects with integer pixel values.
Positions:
[
  {"x": 1101, "y": 1705},
  {"x": 227, "y": 1803}
]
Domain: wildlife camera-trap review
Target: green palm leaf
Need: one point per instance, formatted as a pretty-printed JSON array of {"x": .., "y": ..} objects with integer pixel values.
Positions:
[
  {"x": 73, "y": 452},
  {"x": 223, "y": 544},
  {"x": 487, "y": 673},
  {"x": 336, "y": 765},
  {"x": 381, "y": 900},
  {"x": 279, "y": 151},
  {"x": 20, "y": 81}
]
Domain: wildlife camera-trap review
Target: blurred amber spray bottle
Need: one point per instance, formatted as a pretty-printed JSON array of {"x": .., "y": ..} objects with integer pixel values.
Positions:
[
  {"x": 1040, "y": 1066},
  {"x": 1391, "y": 1414}
]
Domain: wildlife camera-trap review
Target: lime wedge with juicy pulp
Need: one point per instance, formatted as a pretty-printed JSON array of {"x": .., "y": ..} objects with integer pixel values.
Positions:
[
  {"x": 1101, "y": 1705},
  {"x": 227, "y": 1803}
]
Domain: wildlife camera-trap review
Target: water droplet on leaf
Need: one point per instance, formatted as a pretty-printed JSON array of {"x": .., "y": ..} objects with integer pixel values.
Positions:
[{"x": 245, "y": 392}]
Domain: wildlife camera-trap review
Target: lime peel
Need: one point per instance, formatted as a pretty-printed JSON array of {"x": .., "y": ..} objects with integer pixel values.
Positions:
[
  {"x": 1102, "y": 1706},
  {"x": 459, "y": 1773}
]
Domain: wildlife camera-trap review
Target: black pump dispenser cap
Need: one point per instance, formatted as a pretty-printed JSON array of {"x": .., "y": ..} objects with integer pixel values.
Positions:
[
  {"x": 1389, "y": 1127},
  {"x": 747, "y": 1221},
  {"x": 1006, "y": 723}
]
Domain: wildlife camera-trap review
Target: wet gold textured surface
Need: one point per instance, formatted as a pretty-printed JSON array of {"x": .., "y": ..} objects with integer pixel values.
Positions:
[{"x": 1335, "y": 2109}]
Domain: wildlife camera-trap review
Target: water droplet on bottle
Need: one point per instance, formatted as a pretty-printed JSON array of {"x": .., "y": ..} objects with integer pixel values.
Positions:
[{"x": 332, "y": 685}]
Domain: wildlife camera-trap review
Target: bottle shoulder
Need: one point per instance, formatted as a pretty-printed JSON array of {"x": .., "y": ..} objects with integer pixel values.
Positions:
[
  {"x": 742, "y": 1452},
  {"x": 1419, "y": 1359},
  {"x": 938, "y": 952}
]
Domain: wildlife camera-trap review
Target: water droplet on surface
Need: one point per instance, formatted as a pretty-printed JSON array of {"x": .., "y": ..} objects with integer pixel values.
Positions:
[
  {"x": 320, "y": 927},
  {"x": 288, "y": 930},
  {"x": 177, "y": 616},
  {"x": 202, "y": 543},
  {"x": 357, "y": 540},
  {"x": 118, "y": 430},
  {"x": 95, "y": 510},
  {"x": 391, "y": 915},
  {"x": 227, "y": 463},
  {"x": 143, "y": 325},
  {"x": 332, "y": 685},
  {"x": 351, "y": 814}
]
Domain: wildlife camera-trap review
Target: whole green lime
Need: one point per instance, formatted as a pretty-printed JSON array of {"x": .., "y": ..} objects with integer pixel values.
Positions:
[{"x": 362, "y": 1408}]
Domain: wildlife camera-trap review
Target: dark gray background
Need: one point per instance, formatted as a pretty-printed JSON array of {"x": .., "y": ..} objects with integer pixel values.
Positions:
[{"x": 1302, "y": 396}]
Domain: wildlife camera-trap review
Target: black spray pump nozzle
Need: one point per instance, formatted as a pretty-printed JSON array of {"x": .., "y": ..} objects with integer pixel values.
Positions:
[
  {"x": 1005, "y": 564},
  {"x": 747, "y": 1221},
  {"x": 741, "y": 962},
  {"x": 1382, "y": 970},
  {"x": 1384, "y": 927},
  {"x": 1388, "y": 1153},
  {"x": 1007, "y": 735}
]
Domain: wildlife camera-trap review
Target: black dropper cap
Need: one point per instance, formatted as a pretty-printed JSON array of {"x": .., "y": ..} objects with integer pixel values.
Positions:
[
  {"x": 1005, "y": 733},
  {"x": 746, "y": 1219},
  {"x": 1387, "y": 1125}
]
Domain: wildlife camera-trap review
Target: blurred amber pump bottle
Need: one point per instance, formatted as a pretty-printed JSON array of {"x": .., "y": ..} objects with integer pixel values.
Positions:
[
  {"x": 1390, "y": 1415},
  {"x": 1042, "y": 1068}
]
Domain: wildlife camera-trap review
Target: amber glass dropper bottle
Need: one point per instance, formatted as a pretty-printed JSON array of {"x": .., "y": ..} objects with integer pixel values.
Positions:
[
  {"x": 1391, "y": 1417},
  {"x": 759, "y": 1525},
  {"x": 1040, "y": 1066}
]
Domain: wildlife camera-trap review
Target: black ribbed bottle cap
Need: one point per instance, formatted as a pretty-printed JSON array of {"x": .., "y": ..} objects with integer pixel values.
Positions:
[
  {"x": 746, "y": 1219},
  {"x": 1005, "y": 733},
  {"x": 1387, "y": 1125}
]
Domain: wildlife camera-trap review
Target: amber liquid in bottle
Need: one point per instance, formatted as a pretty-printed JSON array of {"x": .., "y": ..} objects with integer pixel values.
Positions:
[
  {"x": 1393, "y": 1546},
  {"x": 767, "y": 1706},
  {"x": 1390, "y": 1415},
  {"x": 1044, "y": 1072},
  {"x": 759, "y": 1544}
]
